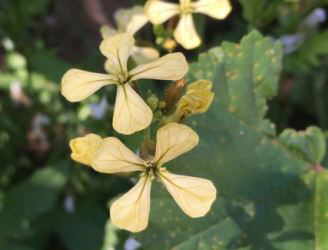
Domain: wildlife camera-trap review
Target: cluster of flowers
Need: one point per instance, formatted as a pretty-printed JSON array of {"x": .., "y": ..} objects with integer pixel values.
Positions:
[{"x": 131, "y": 114}]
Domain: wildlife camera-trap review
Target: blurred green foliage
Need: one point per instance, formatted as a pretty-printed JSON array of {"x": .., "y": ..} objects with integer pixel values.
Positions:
[{"x": 263, "y": 141}]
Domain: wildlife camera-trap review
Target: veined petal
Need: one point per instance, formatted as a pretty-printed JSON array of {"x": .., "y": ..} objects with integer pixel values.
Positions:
[
  {"x": 169, "y": 67},
  {"x": 130, "y": 20},
  {"x": 131, "y": 211},
  {"x": 185, "y": 2},
  {"x": 173, "y": 140},
  {"x": 185, "y": 32},
  {"x": 194, "y": 195},
  {"x": 114, "y": 157},
  {"x": 131, "y": 113},
  {"x": 117, "y": 49},
  {"x": 159, "y": 11},
  {"x": 77, "y": 85},
  {"x": 218, "y": 9},
  {"x": 84, "y": 148},
  {"x": 144, "y": 54},
  {"x": 107, "y": 31}
]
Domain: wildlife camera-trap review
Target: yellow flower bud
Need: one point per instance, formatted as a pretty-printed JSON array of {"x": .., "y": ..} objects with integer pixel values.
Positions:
[
  {"x": 84, "y": 148},
  {"x": 198, "y": 98},
  {"x": 169, "y": 44}
]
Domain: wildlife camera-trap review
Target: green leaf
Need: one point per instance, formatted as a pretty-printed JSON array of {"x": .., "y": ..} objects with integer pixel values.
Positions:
[
  {"x": 15, "y": 246},
  {"x": 309, "y": 144},
  {"x": 84, "y": 228},
  {"x": 309, "y": 54},
  {"x": 218, "y": 236},
  {"x": 30, "y": 199},
  {"x": 174, "y": 230},
  {"x": 238, "y": 150},
  {"x": 260, "y": 12},
  {"x": 306, "y": 223},
  {"x": 321, "y": 211}
]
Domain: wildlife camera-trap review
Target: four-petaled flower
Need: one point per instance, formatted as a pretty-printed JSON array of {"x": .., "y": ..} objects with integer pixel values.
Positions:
[
  {"x": 131, "y": 113},
  {"x": 130, "y": 21},
  {"x": 193, "y": 195},
  {"x": 185, "y": 33}
]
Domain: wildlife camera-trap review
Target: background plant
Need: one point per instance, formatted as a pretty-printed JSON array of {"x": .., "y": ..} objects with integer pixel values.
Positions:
[{"x": 262, "y": 142}]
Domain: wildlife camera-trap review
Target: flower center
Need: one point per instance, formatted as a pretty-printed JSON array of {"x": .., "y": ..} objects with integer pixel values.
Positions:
[
  {"x": 186, "y": 8},
  {"x": 122, "y": 78},
  {"x": 151, "y": 169}
]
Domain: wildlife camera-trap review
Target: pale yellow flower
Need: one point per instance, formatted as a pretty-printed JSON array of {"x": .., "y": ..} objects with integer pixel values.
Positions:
[
  {"x": 131, "y": 20},
  {"x": 185, "y": 33},
  {"x": 131, "y": 113},
  {"x": 84, "y": 148},
  {"x": 193, "y": 195},
  {"x": 197, "y": 99}
]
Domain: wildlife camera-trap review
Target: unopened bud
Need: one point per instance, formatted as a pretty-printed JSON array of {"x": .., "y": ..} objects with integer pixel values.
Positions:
[
  {"x": 153, "y": 102},
  {"x": 169, "y": 44},
  {"x": 16, "y": 61},
  {"x": 198, "y": 98}
]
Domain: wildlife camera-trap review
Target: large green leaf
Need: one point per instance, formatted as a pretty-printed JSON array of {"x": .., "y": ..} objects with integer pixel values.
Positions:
[
  {"x": 31, "y": 199},
  {"x": 309, "y": 54},
  {"x": 238, "y": 151},
  {"x": 260, "y": 12},
  {"x": 84, "y": 228},
  {"x": 320, "y": 211}
]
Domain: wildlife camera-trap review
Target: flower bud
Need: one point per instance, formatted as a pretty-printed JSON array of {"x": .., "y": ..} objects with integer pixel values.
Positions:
[
  {"x": 84, "y": 148},
  {"x": 169, "y": 44},
  {"x": 153, "y": 102},
  {"x": 197, "y": 99}
]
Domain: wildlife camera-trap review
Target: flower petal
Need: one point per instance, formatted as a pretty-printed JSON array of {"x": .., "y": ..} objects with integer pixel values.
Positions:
[
  {"x": 131, "y": 113},
  {"x": 173, "y": 140},
  {"x": 107, "y": 31},
  {"x": 185, "y": 32},
  {"x": 169, "y": 67},
  {"x": 144, "y": 54},
  {"x": 114, "y": 157},
  {"x": 185, "y": 2},
  {"x": 194, "y": 195},
  {"x": 130, "y": 20},
  {"x": 84, "y": 148},
  {"x": 218, "y": 9},
  {"x": 77, "y": 85},
  {"x": 131, "y": 211},
  {"x": 158, "y": 11},
  {"x": 117, "y": 49}
]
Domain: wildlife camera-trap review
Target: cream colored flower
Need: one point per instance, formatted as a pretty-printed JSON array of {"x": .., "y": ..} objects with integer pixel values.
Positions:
[
  {"x": 131, "y": 20},
  {"x": 193, "y": 195},
  {"x": 185, "y": 33},
  {"x": 131, "y": 113}
]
